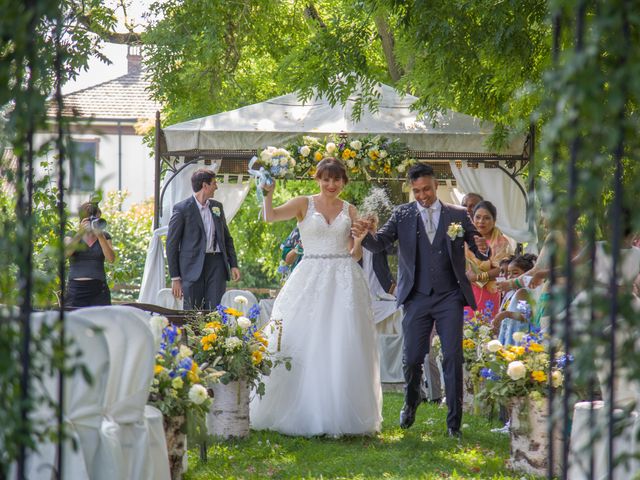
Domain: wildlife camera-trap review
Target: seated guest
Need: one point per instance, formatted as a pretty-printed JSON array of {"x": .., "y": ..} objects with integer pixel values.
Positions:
[
  {"x": 518, "y": 304},
  {"x": 87, "y": 250}
]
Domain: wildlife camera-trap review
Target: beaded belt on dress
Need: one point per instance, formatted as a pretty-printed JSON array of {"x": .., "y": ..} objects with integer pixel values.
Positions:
[{"x": 311, "y": 256}]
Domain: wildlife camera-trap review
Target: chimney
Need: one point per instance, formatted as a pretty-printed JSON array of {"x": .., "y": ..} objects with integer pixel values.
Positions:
[{"x": 134, "y": 58}]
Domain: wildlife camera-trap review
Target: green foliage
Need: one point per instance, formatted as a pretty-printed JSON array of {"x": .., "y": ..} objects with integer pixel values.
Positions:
[
  {"x": 423, "y": 452},
  {"x": 131, "y": 232}
]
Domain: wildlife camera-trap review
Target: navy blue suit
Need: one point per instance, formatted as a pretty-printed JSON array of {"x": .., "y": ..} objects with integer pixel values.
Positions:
[{"x": 432, "y": 288}]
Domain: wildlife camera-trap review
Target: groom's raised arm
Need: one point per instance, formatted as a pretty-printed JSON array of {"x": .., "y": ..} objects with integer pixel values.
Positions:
[
  {"x": 470, "y": 234},
  {"x": 384, "y": 238}
]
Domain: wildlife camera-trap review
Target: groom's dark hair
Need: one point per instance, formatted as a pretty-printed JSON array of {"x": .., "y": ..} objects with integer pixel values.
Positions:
[
  {"x": 420, "y": 170},
  {"x": 200, "y": 176}
]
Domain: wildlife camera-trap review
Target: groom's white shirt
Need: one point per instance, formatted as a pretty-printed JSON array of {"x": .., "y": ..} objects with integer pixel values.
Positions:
[{"x": 436, "y": 209}]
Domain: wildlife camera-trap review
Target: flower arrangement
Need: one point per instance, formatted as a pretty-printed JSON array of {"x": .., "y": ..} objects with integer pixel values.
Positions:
[
  {"x": 177, "y": 384},
  {"x": 272, "y": 163},
  {"x": 521, "y": 370},
  {"x": 366, "y": 157},
  {"x": 232, "y": 347},
  {"x": 455, "y": 230}
]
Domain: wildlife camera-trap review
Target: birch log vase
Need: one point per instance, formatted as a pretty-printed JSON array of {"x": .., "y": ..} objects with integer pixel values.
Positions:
[
  {"x": 529, "y": 434},
  {"x": 228, "y": 416},
  {"x": 174, "y": 432}
]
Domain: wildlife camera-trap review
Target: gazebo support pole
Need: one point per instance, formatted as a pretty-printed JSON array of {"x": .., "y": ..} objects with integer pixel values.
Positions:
[
  {"x": 156, "y": 186},
  {"x": 532, "y": 179}
]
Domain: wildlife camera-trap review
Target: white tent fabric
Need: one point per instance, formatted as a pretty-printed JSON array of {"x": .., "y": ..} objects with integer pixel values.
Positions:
[
  {"x": 283, "y": 119},
  {"x": 501, "y": 190},
  {"x": 231, "y": 195}
]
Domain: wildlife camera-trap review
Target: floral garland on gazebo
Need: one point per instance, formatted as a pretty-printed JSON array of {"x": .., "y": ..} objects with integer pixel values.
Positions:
[{"x": 365, "y": 158}]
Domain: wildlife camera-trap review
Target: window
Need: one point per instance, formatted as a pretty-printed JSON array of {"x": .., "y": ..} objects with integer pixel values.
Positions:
[{"x": 83, "y": 155}]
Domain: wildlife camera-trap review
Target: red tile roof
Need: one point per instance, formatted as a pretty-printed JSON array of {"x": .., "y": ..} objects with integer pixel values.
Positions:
[{"x": 125, "y": 97}]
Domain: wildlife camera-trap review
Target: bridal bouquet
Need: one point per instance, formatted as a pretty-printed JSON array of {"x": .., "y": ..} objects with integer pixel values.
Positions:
[
  {"x": 521, "y": 370},
  {"x": 272, "y": 163},
  {"x": 177, "y": 384},
  {"x": 232, "y": 347}
]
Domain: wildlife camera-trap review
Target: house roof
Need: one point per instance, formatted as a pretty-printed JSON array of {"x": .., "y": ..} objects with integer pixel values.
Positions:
[{"x": 125, "y": 97}]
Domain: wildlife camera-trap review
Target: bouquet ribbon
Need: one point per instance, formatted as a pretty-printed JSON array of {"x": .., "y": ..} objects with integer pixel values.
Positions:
[{"x": 262, "y": 177}]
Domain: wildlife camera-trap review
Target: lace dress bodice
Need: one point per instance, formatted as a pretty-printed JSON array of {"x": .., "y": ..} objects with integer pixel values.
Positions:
[{"x": 320, "y": 238}]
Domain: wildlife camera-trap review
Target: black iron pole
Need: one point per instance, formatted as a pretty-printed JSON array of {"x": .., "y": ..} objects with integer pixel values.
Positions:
[{"x": 156, "y": 185}]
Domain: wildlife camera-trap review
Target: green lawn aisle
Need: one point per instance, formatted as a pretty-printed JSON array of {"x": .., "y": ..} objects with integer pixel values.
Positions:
[{"x": 422, "y": 452}]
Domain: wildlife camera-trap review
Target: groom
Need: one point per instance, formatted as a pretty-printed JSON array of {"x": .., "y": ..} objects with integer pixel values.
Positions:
[
  {"x": 432, "y": 285},
  {"x": 200, "y": 250}
]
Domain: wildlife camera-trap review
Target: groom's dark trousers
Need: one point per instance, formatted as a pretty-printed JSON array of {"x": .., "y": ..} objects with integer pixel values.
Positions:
[{"x": 435, "y": 297}]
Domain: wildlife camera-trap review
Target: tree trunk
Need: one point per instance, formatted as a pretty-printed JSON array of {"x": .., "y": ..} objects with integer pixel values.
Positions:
[{"x": 388, "y": 43}]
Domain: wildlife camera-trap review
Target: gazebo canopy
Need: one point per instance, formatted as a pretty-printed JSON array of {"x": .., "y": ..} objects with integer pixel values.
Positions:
[{"x": 283, "y": 119}]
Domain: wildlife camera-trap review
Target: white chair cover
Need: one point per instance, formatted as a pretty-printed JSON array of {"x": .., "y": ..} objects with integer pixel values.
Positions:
[
  {"x": 131, "y": 350},
  {"x": 82, "y": 405},
  {"x": 228, "y": 300},
  {"x": 166, "y": 299},
  {"x": 582, "y": 434}
]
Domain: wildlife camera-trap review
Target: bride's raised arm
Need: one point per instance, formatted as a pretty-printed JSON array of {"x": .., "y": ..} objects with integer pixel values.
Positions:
[{"x": 296, "y": 207}]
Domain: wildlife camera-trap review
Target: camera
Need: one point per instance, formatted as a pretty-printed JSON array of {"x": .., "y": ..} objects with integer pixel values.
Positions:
[{"x": 97, "y": 223}]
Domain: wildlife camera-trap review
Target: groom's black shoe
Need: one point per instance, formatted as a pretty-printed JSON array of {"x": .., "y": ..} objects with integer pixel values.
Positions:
[
  {"x": 454, "y": 433},
  {"x": 407, "y": 416}
]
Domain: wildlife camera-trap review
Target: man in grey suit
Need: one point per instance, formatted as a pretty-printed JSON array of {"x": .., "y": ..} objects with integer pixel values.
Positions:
[
  {"x": 200, "y": 250},
  {"x": 432, "y": 285}
]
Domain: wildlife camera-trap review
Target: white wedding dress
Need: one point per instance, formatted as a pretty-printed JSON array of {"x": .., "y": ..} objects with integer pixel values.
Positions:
[{"x": 327, "y": 330}]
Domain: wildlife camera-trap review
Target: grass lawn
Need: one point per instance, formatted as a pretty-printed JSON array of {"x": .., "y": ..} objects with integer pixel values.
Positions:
[{"x": 422, "y": 452}]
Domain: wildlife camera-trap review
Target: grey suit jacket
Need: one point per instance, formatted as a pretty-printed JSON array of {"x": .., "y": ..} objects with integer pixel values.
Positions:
[
  {"x": 403, "y": 227},
  {"x": 186, "y": 241}
]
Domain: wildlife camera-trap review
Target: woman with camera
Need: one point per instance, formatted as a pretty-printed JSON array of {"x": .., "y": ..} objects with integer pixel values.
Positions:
[{"x": 87, "y": 250}]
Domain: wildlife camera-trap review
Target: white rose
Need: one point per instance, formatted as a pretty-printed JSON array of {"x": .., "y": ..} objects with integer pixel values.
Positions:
[
  {"x": 557, "y": 378},
  {"x": 232, "y": 343},
  {"x": 305, "y": 151},
  {"x": 484, "y": 330},
  {"x": 351, "y": 163},
  {"x": 275, "y": 162},
  {"x": 516, "y": 370},
  {"x": 184, "y": 352},
  {"x": 284, "y": 162},
  {"x": 494, "y": 345},
  {"x": 241, "y": 299},
  {"x": 292, "y": 162},
  {"x": 356, "y": 144},
  {"x": 330, "y": 148},
  {"x": 383, "y": 153},
  {"x": 244, "y": 322},
  {"x": 265, "y": 156},
  {"x": 177, "y": 383},
  {"x": 198, "y": 394},
  {"x": 401, "y": 168},
  {"x": 518, "y": 336}
]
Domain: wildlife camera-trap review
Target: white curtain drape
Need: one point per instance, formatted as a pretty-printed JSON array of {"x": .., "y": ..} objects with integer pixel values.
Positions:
[
  {"x": 231, "y": 195},
  {"x": 501, "y": 190}
]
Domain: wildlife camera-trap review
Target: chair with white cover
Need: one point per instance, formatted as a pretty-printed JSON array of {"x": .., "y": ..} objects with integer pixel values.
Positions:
[
  {"x": 132, "y": 354},
  {"x": 165, "y": 299},
  {"x": 228, "y": 300},
  {"x": 82, "y": 414}
]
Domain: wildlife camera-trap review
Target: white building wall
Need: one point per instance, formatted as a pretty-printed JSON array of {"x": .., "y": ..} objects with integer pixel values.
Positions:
[{"x": 137, "y": 166}]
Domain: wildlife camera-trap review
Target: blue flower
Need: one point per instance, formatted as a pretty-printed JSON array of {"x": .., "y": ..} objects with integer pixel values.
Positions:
[
  {"x": 185, "y": 364},
  {"x": 563, "y": 360},
  {"x": 254, "y": 312},
  {"x": 489, "y": 374},
  {"x": 174, "y": 352},
  {"x": 221, "y": 309}
]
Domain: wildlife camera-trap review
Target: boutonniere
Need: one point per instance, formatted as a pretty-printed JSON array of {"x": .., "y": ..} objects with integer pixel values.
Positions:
[
  {"x": 455, "y": 230},
  {"x": 216, "y": 211}
]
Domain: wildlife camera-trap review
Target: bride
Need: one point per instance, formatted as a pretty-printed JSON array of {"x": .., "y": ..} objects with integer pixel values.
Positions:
[{"x": 326, "y": 327}]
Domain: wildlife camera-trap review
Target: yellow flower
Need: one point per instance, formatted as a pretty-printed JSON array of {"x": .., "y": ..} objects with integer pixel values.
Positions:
[
  {"x": 517, "y": 350},
  {"x": 234, "y": 312},
  {"x": 213, "y": 325},
  {"x": 353, "y": 154},
  {"x": 158, "y": 369},
  {"x": 192, "y": 374},
  {"x": 354, "y": 170},
  {"x": 318, "y": 156},
  {"x": 373, "y": 154},
  {"x": 256, "y": 357},
  {"x": 536, "y": 347},
  {"x": 346, "y": 154},
  {"x": 507, "y": 355},
  {"x": 312, "y": 171},
  {"x": 539, "y": 376},
  {"x": 468, "y": 344}
]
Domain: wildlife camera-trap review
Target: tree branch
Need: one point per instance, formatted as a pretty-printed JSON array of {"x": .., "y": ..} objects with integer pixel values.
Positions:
[
  {"x": 388, "y": 43},
  {"x": 311, "y": 12}
]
